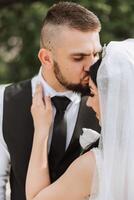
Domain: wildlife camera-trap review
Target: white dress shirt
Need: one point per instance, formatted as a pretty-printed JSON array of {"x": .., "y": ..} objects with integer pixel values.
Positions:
[{"x": 70, "y": 115}]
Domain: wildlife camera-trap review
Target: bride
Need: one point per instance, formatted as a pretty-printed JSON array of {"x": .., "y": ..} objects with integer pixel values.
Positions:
[{"x": 106, "y": 172}]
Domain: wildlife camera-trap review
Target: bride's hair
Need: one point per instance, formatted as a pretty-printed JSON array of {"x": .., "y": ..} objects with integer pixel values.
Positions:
[{"x": 93, "y": 71}]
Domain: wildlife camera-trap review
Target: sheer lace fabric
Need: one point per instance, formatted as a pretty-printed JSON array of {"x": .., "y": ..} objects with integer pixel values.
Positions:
[
  {"x": 115, "y": 80},
  {"x": 97, "y": 177},
  {"x": 115, "y": 164}
]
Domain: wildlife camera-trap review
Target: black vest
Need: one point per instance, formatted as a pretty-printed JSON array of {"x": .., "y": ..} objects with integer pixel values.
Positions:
[{"x": 18, "y": 134}]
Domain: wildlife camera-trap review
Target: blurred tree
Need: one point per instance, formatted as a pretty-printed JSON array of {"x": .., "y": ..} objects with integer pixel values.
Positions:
[
  {"x": 19, "y": 40},
  {"x": 20, "y": 23}
]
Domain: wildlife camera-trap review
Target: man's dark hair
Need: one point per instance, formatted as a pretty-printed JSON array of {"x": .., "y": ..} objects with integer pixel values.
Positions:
[{"x": 71, "y": 15}]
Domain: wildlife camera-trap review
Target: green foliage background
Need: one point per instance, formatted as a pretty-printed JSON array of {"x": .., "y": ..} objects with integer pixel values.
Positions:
[{"x": 20, "y": 31}]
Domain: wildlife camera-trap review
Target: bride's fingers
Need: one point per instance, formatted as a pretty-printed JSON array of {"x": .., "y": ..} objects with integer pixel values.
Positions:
[
  {"x": 38, "y": 95},
  {"x": 47, "y": 101}
]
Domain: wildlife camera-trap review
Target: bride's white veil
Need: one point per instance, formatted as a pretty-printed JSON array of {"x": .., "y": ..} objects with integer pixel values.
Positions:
[{"x": 116, "y": 91}]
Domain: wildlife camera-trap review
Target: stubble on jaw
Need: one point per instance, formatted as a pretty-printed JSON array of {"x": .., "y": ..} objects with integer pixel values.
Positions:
[{"x": 77, "y": 88}]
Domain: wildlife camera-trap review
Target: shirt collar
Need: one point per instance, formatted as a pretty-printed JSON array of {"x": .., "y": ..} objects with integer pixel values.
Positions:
[{"x": 49, "y": 91}]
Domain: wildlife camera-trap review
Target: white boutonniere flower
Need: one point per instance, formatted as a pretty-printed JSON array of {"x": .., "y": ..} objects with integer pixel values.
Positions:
[{"x": 88, "y": 137}]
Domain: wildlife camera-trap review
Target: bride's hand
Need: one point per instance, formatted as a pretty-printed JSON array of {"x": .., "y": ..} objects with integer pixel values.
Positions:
[{"x": 41, "y": 110}]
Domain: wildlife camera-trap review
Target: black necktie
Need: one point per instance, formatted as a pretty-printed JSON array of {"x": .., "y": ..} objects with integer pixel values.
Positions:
[{"x": 58, "y": 144}]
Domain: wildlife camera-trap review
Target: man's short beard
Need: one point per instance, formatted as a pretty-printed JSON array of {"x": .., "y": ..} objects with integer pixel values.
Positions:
[{"x": 78, "y": 88}]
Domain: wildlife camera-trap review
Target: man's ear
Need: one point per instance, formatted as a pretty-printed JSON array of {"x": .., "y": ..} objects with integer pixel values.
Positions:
[{"x": 45, "y": 57}]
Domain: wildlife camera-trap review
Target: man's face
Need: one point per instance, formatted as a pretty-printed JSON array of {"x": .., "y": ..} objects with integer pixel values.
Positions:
[{"x": 75, "y": 53}]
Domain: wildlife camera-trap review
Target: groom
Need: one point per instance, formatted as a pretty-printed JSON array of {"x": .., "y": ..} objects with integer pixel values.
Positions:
[{"x": 69, "y": 45}]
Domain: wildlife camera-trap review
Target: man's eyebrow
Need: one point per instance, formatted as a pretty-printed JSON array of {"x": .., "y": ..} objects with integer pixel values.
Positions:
[
  {"x": 86, "y": 54},
  {"x": 80, "y": 54}
]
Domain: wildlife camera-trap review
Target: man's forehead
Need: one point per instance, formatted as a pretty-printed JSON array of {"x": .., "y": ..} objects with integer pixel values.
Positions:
[
  {"x": 77, "y": 42},
  {"x": 75, "y": 34}
]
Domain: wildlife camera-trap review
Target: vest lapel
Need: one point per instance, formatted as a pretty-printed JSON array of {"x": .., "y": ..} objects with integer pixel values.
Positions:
[
  {"x": 86, "y": 119},
  {"x": 18, "y": 126}
]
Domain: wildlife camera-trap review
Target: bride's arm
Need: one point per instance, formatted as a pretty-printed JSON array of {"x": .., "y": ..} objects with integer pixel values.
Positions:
[
  {"x": 75, "y": 183},
  {"x": 38, "y": 173}
]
